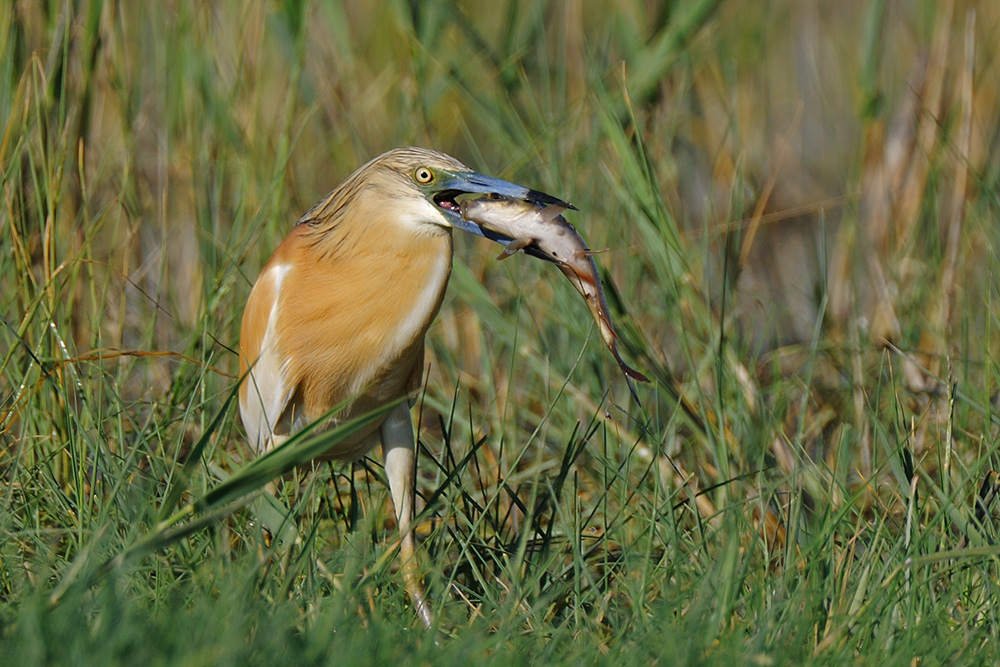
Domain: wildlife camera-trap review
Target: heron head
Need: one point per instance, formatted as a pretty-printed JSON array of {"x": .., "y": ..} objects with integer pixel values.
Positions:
[{"x": 428, "y": 184}]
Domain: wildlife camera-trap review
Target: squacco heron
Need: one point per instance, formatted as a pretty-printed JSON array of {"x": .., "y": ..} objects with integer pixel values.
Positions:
[{"x": 340, "y": 312}]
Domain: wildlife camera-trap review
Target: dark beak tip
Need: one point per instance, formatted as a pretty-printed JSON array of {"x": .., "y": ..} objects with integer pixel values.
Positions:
[{"x": 537, "y": 197}]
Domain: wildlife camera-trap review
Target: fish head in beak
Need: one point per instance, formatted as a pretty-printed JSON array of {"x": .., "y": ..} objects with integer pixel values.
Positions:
[{"x": 447, "y": 186}]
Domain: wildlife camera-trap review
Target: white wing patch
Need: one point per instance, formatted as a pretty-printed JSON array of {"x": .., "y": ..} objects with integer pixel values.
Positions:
[{"x": 267, "y": 394}]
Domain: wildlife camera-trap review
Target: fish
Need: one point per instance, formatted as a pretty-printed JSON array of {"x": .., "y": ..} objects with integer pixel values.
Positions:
[{"x": 541, "y": 231}]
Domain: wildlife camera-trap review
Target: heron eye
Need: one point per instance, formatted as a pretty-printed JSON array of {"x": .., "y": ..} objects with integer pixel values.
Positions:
[{"x": 423, "y": 175}]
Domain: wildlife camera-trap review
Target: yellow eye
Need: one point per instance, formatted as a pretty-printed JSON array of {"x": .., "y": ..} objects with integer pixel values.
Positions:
[{"x": 423, "y": 175}]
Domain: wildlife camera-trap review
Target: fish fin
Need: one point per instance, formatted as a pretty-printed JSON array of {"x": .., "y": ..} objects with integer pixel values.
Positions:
[
  {"x": 514, "y": 246},
  {"x": 580, "y": 254},
  {"x": 550, "y": 213}
]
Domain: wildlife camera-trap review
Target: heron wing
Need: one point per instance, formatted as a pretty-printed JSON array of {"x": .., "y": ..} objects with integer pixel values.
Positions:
[{"x": 265, "y": 394}]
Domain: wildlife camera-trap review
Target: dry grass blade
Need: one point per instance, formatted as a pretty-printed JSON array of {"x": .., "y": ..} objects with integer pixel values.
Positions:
[{"x": 963, "y": 152}]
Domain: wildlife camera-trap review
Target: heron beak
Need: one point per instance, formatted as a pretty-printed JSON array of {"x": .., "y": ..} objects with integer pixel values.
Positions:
[{"x": 452, "y": 184}]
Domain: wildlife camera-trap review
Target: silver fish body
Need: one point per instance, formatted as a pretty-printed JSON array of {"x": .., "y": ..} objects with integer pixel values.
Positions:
[{"x": 543, "y": 232}]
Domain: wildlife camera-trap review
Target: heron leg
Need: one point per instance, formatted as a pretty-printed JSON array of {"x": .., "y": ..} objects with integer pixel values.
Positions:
[{"x": 400, "y": 463}]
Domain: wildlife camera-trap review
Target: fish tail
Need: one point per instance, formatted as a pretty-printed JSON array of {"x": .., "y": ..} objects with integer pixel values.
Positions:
[
  {"x": 631, "y": 390},
  {"x": 632, "y": 373},
  {"x": 626, "y": 369}
]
